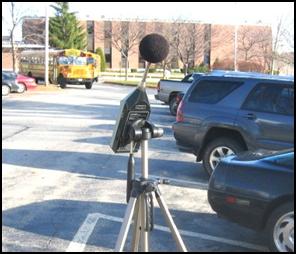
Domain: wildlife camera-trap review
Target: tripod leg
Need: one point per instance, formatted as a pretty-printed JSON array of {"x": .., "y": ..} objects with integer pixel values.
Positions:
[
  {"x": 137, "y": 227},
  {"x": 125, "y": 224},
  {"x": 144, "y": 233},
  {"x": 169, "y": 220}
]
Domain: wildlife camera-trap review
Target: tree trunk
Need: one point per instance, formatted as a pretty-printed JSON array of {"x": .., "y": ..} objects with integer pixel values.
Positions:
[
  {"x": 185, "y": 69},
  {"x": 272, "y": 63},
  {"x": 163, "y": 70},
  {"x": 126, "y": 68}
]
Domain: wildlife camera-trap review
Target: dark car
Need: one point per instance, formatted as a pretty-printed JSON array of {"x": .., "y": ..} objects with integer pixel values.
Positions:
[
  {"x": 224, "y": 113},
  {"x": 256, "y": 190},
  {"x": 10, "y": 84}
]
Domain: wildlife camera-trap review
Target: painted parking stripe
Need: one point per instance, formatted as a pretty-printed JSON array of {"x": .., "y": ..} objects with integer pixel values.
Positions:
[
  {"x": 197, "y": 184},
  {"x": 84, "y": 232},
  {"x": 81, "y": 237}
]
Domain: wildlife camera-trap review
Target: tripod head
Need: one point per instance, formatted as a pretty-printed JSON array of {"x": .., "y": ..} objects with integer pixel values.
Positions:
[
  {"x": 140, "y": 131},
  {"x": 144, "y": 130}
]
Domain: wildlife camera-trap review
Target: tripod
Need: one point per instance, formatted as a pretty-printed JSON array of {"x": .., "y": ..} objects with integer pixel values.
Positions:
[{"x": 140, "y": 196}]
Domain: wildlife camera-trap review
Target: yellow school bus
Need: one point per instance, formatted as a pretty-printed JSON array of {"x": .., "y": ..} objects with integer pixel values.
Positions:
[{"x": 68, "y": 66}]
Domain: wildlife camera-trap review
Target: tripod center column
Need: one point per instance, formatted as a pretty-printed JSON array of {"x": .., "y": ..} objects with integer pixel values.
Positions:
[
  {"x": 144, "y": 155},
  {"x": 146, "y": 135}
]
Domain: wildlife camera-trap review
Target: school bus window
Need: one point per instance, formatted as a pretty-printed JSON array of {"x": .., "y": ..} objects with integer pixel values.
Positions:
[
  {"x": 91, "y": 60},
  {"x": 79, "y": 61}
]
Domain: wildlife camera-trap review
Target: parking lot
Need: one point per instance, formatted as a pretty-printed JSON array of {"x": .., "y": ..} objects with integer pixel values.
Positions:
[{"x": 63, "y": 189}]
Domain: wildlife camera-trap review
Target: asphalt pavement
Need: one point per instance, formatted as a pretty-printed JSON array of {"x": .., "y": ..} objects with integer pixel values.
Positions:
[{"x": 63, "y": 189}]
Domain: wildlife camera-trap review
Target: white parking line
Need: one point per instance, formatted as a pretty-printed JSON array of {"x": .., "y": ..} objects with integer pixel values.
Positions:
[
  {"x": 81, "y": 237},
  {"x": 197, "y": 184},
  {"x": 84, "y": 232}
]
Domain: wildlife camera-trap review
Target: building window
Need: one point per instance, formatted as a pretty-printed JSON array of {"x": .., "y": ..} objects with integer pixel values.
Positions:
[{"x": 90, "y": 27}]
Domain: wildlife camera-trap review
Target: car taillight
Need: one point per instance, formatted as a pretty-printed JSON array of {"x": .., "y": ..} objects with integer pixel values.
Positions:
[
  {"x": 158, "y": 86},
  {"x": 179, "y": 116}
]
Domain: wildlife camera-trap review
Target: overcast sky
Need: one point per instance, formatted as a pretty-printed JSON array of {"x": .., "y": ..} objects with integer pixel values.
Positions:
[{"x": 226, "y": 13}]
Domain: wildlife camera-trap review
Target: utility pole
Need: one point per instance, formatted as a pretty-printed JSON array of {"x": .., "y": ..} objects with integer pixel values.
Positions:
[{"x": 46, "y": 44}]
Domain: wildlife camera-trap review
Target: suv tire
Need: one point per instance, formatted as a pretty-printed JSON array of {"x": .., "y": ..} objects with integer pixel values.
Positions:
[
  {"x": 216, "y": 150},
  {"x": 280, "y": 227},
  {"x": 173, "y": 105}
]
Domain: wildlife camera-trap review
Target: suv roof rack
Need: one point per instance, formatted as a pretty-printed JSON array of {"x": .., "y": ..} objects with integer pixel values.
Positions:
[{"x": 255, "y": 75}]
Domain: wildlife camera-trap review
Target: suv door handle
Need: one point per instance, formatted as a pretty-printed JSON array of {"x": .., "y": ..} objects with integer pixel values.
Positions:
[{"x": 250, "y": 116}]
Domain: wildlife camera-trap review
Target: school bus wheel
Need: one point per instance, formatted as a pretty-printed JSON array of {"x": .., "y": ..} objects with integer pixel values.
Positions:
[
  {"x": 88, "y": 85},
  {"x": 61, "y": 81}
]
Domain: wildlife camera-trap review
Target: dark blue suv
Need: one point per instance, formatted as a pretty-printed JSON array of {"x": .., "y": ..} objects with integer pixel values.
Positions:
[{"x": 225, "y": 112}]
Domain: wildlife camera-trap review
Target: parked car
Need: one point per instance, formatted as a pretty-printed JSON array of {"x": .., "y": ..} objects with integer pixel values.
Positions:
[
  {"x": 25, "y": 82},
  {"x": 224, "y": 113},
  {"x": 256, "y": 190},
  {"x": 29, "y": 83},
  {"x": 10, "y": 84},
  {"x": 167, "y": 90}
]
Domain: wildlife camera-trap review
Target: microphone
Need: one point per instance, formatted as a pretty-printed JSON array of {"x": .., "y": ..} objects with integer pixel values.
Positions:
[{"x": 153, "y": 48}]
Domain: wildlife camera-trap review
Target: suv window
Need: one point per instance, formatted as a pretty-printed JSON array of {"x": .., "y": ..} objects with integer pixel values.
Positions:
[
  {"x": 271, "y": 98},
  {"x": 212, "y": 91}
]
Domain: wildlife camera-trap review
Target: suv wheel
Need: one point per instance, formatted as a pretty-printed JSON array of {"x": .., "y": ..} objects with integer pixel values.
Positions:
[
  {"x": 216, "y": 150},
  {"x": 280, "y": 228},
  {"x": 5, "y": 90},
  {"x": 173, "y": 105}
]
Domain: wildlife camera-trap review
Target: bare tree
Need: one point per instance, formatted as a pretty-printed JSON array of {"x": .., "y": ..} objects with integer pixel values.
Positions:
[
  {"x": 254, "y": 47},
  {"x": 250, "y": 39},
  {"x": 33, "y": 30},
  {"x": 125, "y": 37},
  {"x": 188, "y": 42},
  {"x": 16, "y": 18},
  {"x": 195, "y": 42},
  {"x": 283, "y": 36}
]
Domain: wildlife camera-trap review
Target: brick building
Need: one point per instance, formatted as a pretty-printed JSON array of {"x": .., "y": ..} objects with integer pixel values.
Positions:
[{"x": 209, "y": 44}]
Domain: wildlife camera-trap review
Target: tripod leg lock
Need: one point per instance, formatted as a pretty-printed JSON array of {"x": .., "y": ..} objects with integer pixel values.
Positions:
[{"x": 149, "y": 212}]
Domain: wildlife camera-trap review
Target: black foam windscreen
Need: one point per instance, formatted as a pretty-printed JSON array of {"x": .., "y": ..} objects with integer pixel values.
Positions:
[{"x": 154, "y": 48}]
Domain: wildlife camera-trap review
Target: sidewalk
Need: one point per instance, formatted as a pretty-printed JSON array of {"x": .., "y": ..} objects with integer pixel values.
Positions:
[{"x": 46, "y": 88}]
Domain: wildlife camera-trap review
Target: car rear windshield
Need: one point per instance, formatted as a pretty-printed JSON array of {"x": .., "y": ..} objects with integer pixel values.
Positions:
[{"x": 212, "y": 91}]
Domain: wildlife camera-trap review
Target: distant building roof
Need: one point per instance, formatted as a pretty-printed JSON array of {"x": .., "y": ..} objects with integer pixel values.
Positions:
[{"x": 20, "y": 44}]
